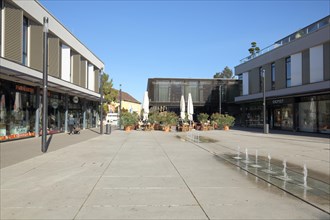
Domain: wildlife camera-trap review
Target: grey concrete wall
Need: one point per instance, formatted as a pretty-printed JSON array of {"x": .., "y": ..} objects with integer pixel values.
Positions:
[
  {"x": 305, "y": 67},
  {"x": 280, "y": 78},
  {"x": 254, "y": 81}
]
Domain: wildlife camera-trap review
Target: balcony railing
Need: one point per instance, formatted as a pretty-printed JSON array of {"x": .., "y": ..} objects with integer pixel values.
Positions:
[{"x": 298, "y": 34}]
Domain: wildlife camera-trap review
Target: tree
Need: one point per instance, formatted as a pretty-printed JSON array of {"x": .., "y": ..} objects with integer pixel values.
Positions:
[
  {"x": 226, "y": 73},
  {"x": 254, "y": 49},
  {"x": 110, "y": 94}
]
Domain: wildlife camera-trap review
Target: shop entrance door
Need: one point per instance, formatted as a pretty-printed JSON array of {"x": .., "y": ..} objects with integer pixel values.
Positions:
[{"x": 277, "y": 113}]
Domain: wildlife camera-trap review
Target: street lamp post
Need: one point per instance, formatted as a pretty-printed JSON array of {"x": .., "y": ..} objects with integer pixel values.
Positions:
[
  {"x": 45, "y": 82},
  {"x": 119, "y": 106},
  {"x": 101, "y": 102},
  {"x": 264, "y": 102}
]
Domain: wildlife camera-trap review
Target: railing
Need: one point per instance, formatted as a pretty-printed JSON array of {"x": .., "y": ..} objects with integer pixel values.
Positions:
[
  {"x": 193, "y": 136},
  {"x": 298, "y": 34}
]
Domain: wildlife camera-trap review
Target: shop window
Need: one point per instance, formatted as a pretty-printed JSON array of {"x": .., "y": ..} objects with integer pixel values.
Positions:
[
  {"x": 307, "y": 116},
  {"x": 324, "y": 116},
  {"x": 287, "y": 117},
  {"x": 17, "y": 111}
]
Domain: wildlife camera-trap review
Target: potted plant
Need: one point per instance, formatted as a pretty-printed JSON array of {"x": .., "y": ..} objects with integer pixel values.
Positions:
[
  {"x": 203, "y": 119},
  {"x": 167, "y": 120},
  {"x": 215, "y": 117},
  {"x": 228, "y": 121},
  {"x": 128, "y": 120}
]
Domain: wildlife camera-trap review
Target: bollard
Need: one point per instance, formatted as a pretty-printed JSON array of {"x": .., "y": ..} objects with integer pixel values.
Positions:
[
  {"x": 266, "y": 129},
  {"x": 107, "y": 128}
]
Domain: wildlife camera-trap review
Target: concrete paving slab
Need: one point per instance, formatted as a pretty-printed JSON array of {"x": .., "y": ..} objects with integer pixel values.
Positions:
[{"x": 146, "y": 175}]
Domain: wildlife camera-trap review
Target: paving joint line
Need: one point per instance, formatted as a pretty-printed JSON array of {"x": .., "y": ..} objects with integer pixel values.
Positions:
[
  {"x": 183, "y": 180},
  {"x": 89, "y": 194}
]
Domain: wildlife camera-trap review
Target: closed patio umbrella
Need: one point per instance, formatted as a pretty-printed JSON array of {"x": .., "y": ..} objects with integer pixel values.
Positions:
[
  {"x": 145, "y": 106},
  {"x": 190, "y": 108},
  {"x": 182, "y": 108}
]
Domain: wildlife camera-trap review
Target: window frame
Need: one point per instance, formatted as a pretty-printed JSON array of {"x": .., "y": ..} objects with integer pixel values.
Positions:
[
  {"x": 25, "y": 40},
  {"x": 288, "y": 71},
  {"x": 273, "y": 72}
]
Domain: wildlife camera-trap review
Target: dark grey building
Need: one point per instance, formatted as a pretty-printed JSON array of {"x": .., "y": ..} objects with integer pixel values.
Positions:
[
  {"x": 166, "y": 93},
  {"x": 297, "y": 74}
]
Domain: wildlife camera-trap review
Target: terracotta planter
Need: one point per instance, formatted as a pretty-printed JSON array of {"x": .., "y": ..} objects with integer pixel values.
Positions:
[
  {"x": 166, "y": 128},
  {"x": 226, "y": 127},
  {"x": 127, "y": 128}
]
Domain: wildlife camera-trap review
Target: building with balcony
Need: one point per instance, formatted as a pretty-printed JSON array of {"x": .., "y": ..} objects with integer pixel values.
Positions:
[
  {"x": 297, "y": 82},
  {"x": 73, "y": 73},
  {"x": 165, "y": 94}
]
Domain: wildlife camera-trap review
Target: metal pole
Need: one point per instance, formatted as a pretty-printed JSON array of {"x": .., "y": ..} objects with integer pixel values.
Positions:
[
  {"x": 119, "y": 106},
  {"x": 220, "y": 94},
  {"x": 45, "y": 92},
  {"x": 264, "y": 100},
  {"x": 101, "y": 103}
]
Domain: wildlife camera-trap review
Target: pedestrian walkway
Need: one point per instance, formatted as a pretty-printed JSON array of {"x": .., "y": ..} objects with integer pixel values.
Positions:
[
  {"x": 141, "y": 175},
  {"x": 13, "y": 152}
]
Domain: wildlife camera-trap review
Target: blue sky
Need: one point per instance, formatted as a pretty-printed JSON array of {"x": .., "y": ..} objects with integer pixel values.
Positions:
[{"x": 138, "y": 40}]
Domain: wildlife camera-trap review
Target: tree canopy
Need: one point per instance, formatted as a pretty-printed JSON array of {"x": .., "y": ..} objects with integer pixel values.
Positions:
[
  {"x": 110, "y": 94},
  {"x": 225, "y": 73}
]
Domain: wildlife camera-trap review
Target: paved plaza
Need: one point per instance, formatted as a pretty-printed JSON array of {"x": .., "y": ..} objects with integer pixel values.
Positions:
[{"x": 155, "y": 175}]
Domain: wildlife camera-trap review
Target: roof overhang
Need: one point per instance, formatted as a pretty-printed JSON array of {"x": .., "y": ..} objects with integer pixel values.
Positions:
[{"x": 21, "y": 74}]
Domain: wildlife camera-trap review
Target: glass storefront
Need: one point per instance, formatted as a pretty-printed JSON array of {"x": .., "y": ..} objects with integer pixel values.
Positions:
[
  {"x": 307, "y": 116},
  {"x": 254, "y": 115},
  {"x": 56, "y": 113},
  {"x": 17, "y": 110},
  {"x": 324, "y": 116}
]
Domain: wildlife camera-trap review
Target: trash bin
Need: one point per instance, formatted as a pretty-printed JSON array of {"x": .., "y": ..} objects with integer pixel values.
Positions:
[
  {"x": 266, "y": 129},
  {"x": 108, "y": 128}
]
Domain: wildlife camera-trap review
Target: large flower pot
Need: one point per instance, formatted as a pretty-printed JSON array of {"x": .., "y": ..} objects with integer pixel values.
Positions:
[{"x": 226, "y": 127}]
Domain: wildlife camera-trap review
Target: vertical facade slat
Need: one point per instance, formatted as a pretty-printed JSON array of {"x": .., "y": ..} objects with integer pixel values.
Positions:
[
  {"x": 13, "y": 43},
  {"x": 36, "y": 47},
  {"x": 326, "y": 60},
  {"x": 83, "y": 72},
  {"x": 97, "y": 80},
  {"x": 76, "y": 68},
  {"x": 305, "y": 67},
  {"x": 54, "y": 56},
  {"x": 280, "y": 78}
]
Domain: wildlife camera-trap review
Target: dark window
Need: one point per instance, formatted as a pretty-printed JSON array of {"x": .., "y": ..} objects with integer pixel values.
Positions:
[
  {"x": 288, "y": 71},
  {"x": 25, "y": 40},
  {"x": 273, "y": 75}
]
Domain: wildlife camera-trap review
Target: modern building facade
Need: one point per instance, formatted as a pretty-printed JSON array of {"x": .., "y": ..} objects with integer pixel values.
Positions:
[
  {"x": 165, "y": 93},
  {"x": 297, "y": 82},
  {"x": 73, "y": 73}
]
